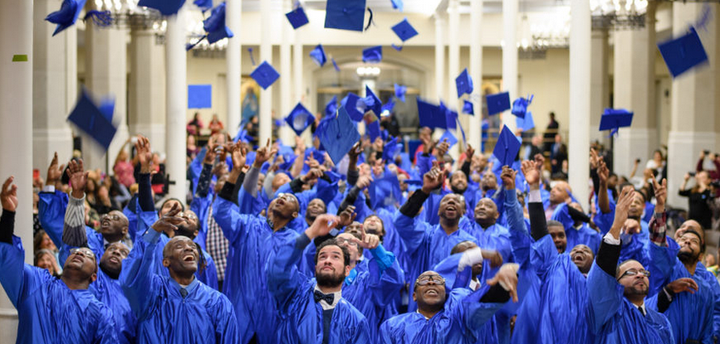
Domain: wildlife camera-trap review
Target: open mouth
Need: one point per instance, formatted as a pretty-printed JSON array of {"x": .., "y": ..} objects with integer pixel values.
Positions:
[
  {"x": 432, "y": 292},
  {"x": 189, "y": 258},
  {"x": 114, "y": 260}
]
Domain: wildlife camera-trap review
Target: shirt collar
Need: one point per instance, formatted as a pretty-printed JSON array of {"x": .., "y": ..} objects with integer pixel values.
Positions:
[{"x": 190, "y": 288}]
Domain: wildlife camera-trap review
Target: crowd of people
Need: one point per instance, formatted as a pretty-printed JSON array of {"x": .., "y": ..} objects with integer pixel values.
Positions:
[{"x": 278, "y": 244}]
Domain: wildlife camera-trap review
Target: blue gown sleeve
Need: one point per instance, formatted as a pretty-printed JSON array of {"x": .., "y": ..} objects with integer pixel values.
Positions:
[
  {"x": 106, "y": 332},
  {"x": 139, "y": 284},
  {"x": 284, "y": 279},
  {"x": 543, "y": 255},
  {"x": 604, "y": 220},
  {"x": 605, "y": 297},
  {"x": 16, "y": 277},
  {"x": 661, "y": 267},
  {"x": 51, "y": 213},
  {"x": 386, "y": 277},
  {"x": 412, "y": 231},
  {"x": 469, "y": 311},
  {"x": 231, "y": 221}
]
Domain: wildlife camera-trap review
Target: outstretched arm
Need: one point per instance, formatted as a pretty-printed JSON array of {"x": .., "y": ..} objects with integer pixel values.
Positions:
[{"x": 74, "y": 234}]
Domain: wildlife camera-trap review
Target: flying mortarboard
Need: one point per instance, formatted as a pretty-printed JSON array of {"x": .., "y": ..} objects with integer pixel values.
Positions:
[
  {"x": 338, "y": 135},
  {"x": 204, "y": 5},
  {"x": 214, "y": 25},
  {"x": 67, "y": 15},
  {"x": 468, "y": 108},
  {"x": 297, "y": 17},
  {"x": 372, "y": 54},
  {"x": 265, "y": 75},
  {"x": 372, "y": 102},
  {"x": 451, "y": 139},
  {"x": 400, "y": 92},
  {"x": 430, "y": 115},
  {"x": 464, "y": 83},
  {"x": 318, "y": 55},
  {"x": 525, "y": 123},
  {"x": 519, "y": 107},
  {"x": 613, "y": 119},
  {"x": 345, "y": 14},
  {"x": 404, "y": 30},
  {"x": 498, "y": 102},
  {"x": 450, "y": 116},
  {"x": 331, "y": 107},
  {"x": 683, "y": 53},
  {"x": 299, "y": 119},
  {"x": 94, "y": 121},
  {"x": 350, "y": 104},
  {"x": 166, "y": 7},
  {"x": 391, "y": 149},
  {"x": 507, "y": 147},
  {"x": 372, "y": 125},
  {"x": 397, "y": 4},
  {"x": 387, "y": 108}
]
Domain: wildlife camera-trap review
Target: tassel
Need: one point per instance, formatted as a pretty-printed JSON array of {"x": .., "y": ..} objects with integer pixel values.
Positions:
[
  {"x": 99, "y": 18},
  {"x": 397, "y": 47},
  {"x": 337, "y": 69},
  {"x": 252, "y": 59},
  {"x": 370, "y": 21}
]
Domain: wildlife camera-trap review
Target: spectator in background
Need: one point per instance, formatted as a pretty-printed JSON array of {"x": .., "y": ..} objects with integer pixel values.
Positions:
[
  {"x": 698, "y": 199},
  {"x": 390, "y": 123},
  {"x": 46, "y": 259},
  {"x": 558, "y": 154},
  {"x": 711, "y": 264},
  {"x": 123, "y": 168},
  {"x": 533, "y": 148},
  {"x": 657, "y": 164},
  {"x": 215, "y": 125},
  {"x": 192, "y": 148},
  {"x": 194, "y": 126},
  {"x": 552, "y": 130}
]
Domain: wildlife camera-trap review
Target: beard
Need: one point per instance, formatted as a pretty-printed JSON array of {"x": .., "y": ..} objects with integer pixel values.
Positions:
[
  {"x": 185, "y": 231},
  {"x": 329, "y": 280},
  {"x": 457, "y": 190},
  {"x": 688, "y": 257},
  {"x": 111, "y": 272}
]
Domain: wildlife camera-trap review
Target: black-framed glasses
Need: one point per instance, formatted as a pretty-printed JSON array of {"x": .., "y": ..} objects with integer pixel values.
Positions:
[
  {"x": 426, "y": 279},
  {"x": 634, "y": 272}
]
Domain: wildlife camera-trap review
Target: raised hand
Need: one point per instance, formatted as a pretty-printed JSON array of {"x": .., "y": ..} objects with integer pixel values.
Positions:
[
  {"x": 322, "y": 225},
  {"x": 508, "y": 177},
  {"x": 469, "y": 152},
  {"x": 428, "y": 145},
  {"x": 433, "y": 178},
  {"x": 264, "y": 154},
  {"x": 660, "y": 195},
  {"x": 532, "y": 175},
  {"x": 54, "y": 172},
  {"x": 443, "y": 148},
  {"x": 314, "y": 173},
  {"x": 539, "y": 162},
  {"x": 347, "y": 217},
  {"x": 683, "y": 284},
  {"x": 8, "y": 195},
  {"x": 78, "y": 178},
  {"x": 602, "y": 171},
  {"x": 364, "y": 182},
  {"x": 495, "y": 257},
  {"x": 238, "y": 155},
  {"x": 211, "y": 151},
  {"x": 144, "y": 154},
  {"x": 367, "y": 241},
  {"x": 168, "y": 222},
  {"x": 621, "y": 210},
  {"x": 355, "y": 151},
  {"x": 507, "y": 278},
  {"x": 593, "y": 159},
  {"x": 311, "y": 162},
  {"x": 220, "y": 169}
]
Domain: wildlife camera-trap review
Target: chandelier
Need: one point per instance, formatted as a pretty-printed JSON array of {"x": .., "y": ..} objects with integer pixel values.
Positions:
[
  {"x": 618, "y": 14},
  {"x": 126, "y": 14}
]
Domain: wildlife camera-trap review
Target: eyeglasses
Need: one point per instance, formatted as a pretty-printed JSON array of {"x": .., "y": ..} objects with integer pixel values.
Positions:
[
  {"x": 348, "y": 241},
  {"x": 425, "y": 280},
  {"x": 83, "y": 252},
  {"x": 633, "y": 272},
  {"x": 287, "y": 197}
]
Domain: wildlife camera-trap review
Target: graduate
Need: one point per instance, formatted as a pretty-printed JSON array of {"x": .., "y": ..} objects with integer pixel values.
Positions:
[
  {"x": 147, "y": 216},
  {"x": 427, "y": 245},
  {"x": 616, "y": 311},
  {"x": 373, "y": 284},
  {"x": 50, "y": 309},
  {"x": 179, "y": 308},
  {"x": 313, "y": 310},
  {"x": 457, "y": 318}
]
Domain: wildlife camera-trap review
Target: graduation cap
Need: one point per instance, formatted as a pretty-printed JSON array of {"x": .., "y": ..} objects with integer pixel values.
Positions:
[
  {"x": 372, "y": 102},
  {"x": 299, "y": 119},
  {"x": 297, "y": 17},
  {"x": 385, "y": 191},
  {"x": 338, "y": 135},
  {"x": 404, "y": 30},
  {"x": 451, "y": 139},
  {"x": 331, "y": 107},
  {"x": 683, "y": 53},
  {"x": 318, "y": 55},
  {"x": 319, "y": 156},
  {"x": 391, "y": 149},
  {"x": 613, "y": 119},
  {"x": 93, "y": 121},
  {"x": 387, "y": 108},
  {"x": 265, "y": 75},
  {"x": 400, "y": 91},
  {"x": 507, "y": 147},
  {"x": 525, "y": 123},
  {"x": 430, "y": 115},
  {"x": 450, "y": 116},
  {"x": 204, "y": 5},
  {"x": 464, "y": 83},
  {"x": 519, "y": 107},
  {"x": 468, "y": 108},
  {"x": 397, "y": 4},
  {"x": 350, "y": 104},
  {"x": 243, "y": 136},
  {"x": 67, "y": 15},
  {"x": 372, "y": 125},
  {"x": 372, "y": 54},
  {"x": 166, "y": 7},
  {"x": 345, "y": 14},
  {"x": 214, "y": 25},
  {"x": 414, "y": 184},
  {"x": 498, "y": 102}
]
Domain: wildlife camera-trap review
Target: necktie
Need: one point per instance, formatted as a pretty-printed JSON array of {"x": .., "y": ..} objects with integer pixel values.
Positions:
[
  {"x": 183, "y": 292},
  {"x": 642, "y": 311},
  {"x": 329, "y": 298}
]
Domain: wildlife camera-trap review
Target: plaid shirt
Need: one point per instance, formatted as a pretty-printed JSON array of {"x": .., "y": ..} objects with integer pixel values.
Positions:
[
  {"x": 217, "y": 245},
  {"x": 658, "y": 228}
]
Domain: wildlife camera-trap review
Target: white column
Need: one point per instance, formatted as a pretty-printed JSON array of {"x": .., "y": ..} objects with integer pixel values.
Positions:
[
  {"x": 233, "y": 59},
  {"x": 176, "y": 64},
  {"x": 510, "y": 57},
  {"x": 439, "y": 56},
  {"x": 694, "y": 108},
  {"x": 453, "y": 65},
  {"x": 634, "y": 89},
  {"x": 474, "y": 135},
  {"x": 52, "y": 98},
  {"x": 146, "y": 112},
  {"x": 297, "y": 68},
  {"x": 106, "y": 75},
  {"x": 16, "y": 129},
  {"x": 578, "y": 144},
  {"x": 599, "y": 83},
  {"x": 287, "y": 101},
  {"x": 266, "y": 54}
]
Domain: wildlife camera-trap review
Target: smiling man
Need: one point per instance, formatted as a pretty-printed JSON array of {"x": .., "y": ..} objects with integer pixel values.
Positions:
[
  {"x": 50, "y": 309},
  {"x": 178, "y": 308}
]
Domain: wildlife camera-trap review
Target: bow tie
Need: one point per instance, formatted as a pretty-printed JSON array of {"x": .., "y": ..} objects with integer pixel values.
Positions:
[{"x": 329, "y": 298}]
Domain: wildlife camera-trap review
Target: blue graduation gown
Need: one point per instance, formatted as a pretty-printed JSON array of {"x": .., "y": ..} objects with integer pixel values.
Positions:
[
  {"x": 375, "y": 286},
  {"x": 613, "y": 319},
  {"x": 576, "y": 236},
  {"x": 48, "y": 311},
  {"x": 109, "y": 292},
  {"x": 425, "y": 246},
  {"x": 251, "y": 245},
  {"x": 204, "y": 315},
  {"x": 710, "y": 278},
  {"x": 301, "y": 318},
  {"x": 461, "y": 321},
  {"x": 691, "y": 315}
]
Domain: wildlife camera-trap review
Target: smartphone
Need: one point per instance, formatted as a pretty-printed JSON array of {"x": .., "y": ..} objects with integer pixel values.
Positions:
[
  {"x": 692, "y": 174},
  {"x": 706, "y": 152},
  {"x": 637, "y": 161}
]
